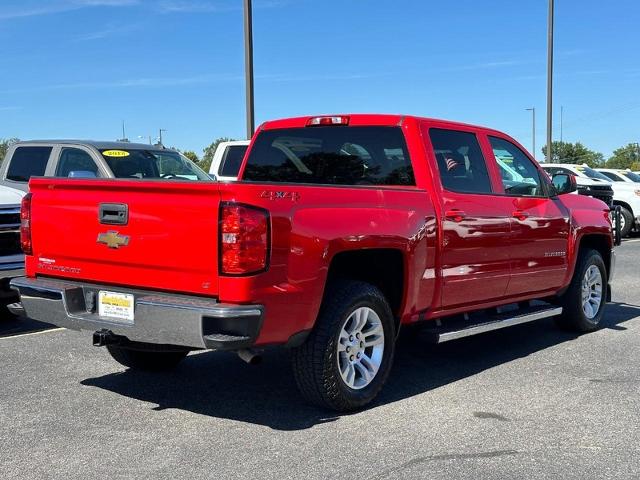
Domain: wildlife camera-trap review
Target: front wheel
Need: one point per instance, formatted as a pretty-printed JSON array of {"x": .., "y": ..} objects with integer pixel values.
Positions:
[
  {"x": 347, "y": 358},
  {"x": 145, "y": 357},
  {"x": 583, "y": 302}
]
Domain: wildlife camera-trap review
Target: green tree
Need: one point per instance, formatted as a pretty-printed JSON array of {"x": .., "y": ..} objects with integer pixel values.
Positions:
[
  {"x": 5, "y": 143},
  {"x": 565, "y": 152},
  {"x": 625, "y": 157},
  {"x": 208, "y": 152},
  {"x": 191, "y": 155}
]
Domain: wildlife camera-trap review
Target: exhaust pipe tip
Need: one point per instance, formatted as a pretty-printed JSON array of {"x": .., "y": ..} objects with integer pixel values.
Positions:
[
  {"x": 250, "y": 356},
  {"x": 17, "y": 309}
]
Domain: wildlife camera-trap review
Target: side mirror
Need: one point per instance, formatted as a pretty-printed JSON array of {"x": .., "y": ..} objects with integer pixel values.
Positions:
[
  {"x": 564, "y": 183},
  {"x": 82, "y": 174}
]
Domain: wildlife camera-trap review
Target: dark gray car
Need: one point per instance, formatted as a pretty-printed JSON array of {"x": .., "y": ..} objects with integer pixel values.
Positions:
[
  {"x": 76, "y": 159},
  {"x": 94, "y": 159}
]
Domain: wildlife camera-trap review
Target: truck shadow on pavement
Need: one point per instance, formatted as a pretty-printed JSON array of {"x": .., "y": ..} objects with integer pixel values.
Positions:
[
  {"x": 218, "y": 384},
  {"x": 11, "y": 325}
]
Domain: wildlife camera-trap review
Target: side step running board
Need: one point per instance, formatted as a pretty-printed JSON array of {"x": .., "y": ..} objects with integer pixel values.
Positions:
[{"x": 466, "y": 329}]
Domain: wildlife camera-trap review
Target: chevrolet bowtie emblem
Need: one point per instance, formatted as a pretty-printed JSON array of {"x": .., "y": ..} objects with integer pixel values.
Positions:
[{"x": 113, "y": 239}]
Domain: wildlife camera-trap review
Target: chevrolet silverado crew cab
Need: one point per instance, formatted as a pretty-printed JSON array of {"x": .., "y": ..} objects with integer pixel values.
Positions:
[{"x": 342, "y": 230}]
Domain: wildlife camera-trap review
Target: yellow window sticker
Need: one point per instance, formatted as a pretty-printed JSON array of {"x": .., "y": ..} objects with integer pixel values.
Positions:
[{"x": 115, "y": 153}]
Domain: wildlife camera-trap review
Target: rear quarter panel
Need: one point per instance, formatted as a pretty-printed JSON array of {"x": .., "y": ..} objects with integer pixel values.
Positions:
[{"x": 310, "y": 225}]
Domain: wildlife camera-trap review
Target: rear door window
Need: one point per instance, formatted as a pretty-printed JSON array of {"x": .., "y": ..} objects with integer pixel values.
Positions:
[
  {"x": 28, "y": 162},
  {"x": 460, "y": 161},
  {"x": 232, "y": 160},
  {"x": 75, "y": 162},
  {"x": 332, "y": 156}
]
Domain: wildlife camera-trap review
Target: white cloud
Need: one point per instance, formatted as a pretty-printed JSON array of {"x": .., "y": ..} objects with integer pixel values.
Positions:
[
  {"x": 26, "y": 9},
  {"x": 108, "y": 31},
  {"x": 150, "y": 82},
  {"x": 195, "y": 6}
]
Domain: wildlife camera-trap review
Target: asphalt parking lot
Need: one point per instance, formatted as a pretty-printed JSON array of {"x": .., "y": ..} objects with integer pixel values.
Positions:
[{"x": 526, "y": 402}]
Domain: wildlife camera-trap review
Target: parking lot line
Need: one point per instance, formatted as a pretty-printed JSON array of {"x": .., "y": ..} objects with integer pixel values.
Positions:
[{"x": 5, "y": 337}]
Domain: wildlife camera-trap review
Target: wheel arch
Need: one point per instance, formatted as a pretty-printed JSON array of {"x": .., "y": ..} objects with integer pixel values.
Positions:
[
  {"x": 624, "y": 204},
  {"x": 382, "y": 267},
  {"x": 599, "y": 243}
]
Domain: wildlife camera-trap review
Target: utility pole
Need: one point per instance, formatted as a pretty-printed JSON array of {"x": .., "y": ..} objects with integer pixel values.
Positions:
[
  {"x": 124, "y": 136},
  {"x": 533, "y": 110},
  {"x": 549, "y": 81},
  {"x": 248, "y": 66},
  {"x": 561, "y": 121},
  {"x": 160, "y": 136}
]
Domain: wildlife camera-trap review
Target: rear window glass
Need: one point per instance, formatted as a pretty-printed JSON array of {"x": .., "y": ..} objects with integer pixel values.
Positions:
[
  {"x": 232, "y": 160},
  {"x": 28, "y": 162},
  {"x": 156, "y": 164},
  {"x": 331, "y": 155}
]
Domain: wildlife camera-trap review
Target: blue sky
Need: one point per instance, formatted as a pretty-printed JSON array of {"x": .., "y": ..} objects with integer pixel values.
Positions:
[{"x": 77, "y": 68}]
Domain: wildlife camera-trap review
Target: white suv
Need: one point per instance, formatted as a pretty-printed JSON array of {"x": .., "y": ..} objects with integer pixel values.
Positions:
[
  {"x": 625, "y": 194},
  {"x": 619, "y": 175}
]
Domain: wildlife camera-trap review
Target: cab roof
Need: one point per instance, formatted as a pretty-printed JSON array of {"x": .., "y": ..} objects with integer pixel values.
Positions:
[
  {"x": 99, "y": 144},
  {"x": 372, "y": 119}
]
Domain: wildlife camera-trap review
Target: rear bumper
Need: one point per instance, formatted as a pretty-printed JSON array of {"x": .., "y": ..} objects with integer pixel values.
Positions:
[{"x": 159, "y": 318}]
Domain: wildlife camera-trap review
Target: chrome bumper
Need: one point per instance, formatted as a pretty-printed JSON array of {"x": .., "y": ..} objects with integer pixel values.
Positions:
[{"x": 160, "y": 318}]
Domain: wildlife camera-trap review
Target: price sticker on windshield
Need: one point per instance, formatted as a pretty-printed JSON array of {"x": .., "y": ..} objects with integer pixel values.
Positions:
[{"x": 115, "y": 153}]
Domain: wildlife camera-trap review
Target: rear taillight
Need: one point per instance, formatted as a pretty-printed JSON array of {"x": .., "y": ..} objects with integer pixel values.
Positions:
[
  {"x": 244, "y": 239},
  {"x": 25, "y": 225}
]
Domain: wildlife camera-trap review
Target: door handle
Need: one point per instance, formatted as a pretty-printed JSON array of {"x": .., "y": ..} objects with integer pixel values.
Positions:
[
  {"x": 455, "y": 215},
  {"x": 520, "y": 215}
]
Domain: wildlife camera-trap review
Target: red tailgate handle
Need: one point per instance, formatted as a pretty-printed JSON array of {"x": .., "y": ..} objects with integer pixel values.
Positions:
[
  {"x": 455, "y": 215},
  {"x": 520, "y": 215}
]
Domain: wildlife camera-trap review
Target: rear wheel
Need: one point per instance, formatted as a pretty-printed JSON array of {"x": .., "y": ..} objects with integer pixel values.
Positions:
[
  {"x": 347, "y": 358},
  {"x": 146, "y": 357},
  {"x": 583, "y": 302}
]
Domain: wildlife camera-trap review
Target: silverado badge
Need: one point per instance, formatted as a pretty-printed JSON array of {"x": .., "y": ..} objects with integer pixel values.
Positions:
[{"x": 113, "y": 239}]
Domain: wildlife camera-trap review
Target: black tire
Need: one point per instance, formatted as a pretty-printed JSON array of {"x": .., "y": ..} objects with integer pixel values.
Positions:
[
  {"x": 315, "y": 363},
  {"x": 573, "y": 317},
  {"x": 145, "y": 357},
  {"x": 626, "y": 221}
]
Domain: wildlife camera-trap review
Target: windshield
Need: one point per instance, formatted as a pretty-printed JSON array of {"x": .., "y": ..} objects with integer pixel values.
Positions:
[
  {"x": 591, "y": 173},
  {"x": 156, "y": 164},
  {"x": 634, "y": 177}
]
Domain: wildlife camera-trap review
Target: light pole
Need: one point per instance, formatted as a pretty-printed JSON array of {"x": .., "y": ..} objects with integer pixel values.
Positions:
[
  {"x": 561, "y": 121},
  {"x": 248, "y": 66},
  {"x": 549, "y": 81},
  {"x": 160, "y": 136},
  {"x": 533, "y": 124}
]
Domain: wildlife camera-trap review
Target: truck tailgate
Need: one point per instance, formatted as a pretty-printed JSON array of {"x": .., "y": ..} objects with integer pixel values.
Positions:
[{"x": 169, "y": 241}]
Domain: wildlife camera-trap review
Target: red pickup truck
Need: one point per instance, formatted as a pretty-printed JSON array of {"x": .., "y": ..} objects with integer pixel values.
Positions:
[{"x": 342, "y": 230}]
